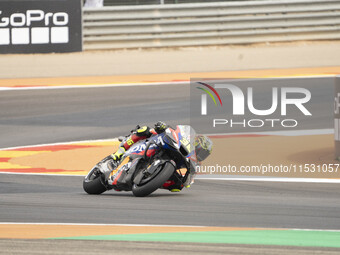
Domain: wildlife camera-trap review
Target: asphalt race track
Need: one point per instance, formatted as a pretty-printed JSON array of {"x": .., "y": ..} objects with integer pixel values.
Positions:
[
  {"x": 58, "y": 115},
  {"x": 30, "y": 117},
  {"x": 207, "y": 203}
]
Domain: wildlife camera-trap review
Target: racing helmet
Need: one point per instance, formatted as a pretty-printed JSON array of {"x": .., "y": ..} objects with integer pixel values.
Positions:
[{"x": 203, "y": 147}]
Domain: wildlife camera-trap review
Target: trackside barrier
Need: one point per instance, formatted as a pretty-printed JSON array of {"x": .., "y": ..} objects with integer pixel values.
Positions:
[
  {"x": 337, "y": 117},
  {"x": 240, "y": 22}
]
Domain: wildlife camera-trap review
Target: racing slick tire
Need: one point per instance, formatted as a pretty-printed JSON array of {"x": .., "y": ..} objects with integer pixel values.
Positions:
[
  {"x": 94, "y": 185},
  {"x": 155, "y": 183}
]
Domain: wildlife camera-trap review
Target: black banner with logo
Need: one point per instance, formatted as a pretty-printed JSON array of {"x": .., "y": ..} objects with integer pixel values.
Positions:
[{"x": 40, "y": 26}]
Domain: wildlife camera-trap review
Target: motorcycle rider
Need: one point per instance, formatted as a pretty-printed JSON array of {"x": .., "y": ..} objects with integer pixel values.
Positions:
[{"x": 203, "y": 148}]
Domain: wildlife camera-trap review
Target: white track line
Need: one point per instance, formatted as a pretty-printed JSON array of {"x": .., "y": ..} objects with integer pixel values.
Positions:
[
  {"x": 153, "y": 225},
  {"x": 216, "y": 178},
  {"x": 60, "y": 143},
  {"x": 326, "y": 131},
  {"x": 98, "y": 224},
  {"x": 153, "y": 83},
  {"x": 268, "y": 179},
  {"x": 96, "y": 86}
]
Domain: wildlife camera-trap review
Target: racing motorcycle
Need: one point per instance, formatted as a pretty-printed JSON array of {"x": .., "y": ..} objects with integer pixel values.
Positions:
[{"x": 149, "y": 164}]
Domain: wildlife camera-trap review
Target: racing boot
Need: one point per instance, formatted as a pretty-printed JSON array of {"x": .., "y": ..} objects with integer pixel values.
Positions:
[
  {"x": 116, "y": 157},
  {"x": 174, "y": 184}
]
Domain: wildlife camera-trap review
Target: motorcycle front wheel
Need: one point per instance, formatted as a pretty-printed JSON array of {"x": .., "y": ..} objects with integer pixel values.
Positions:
[
  {"x": 94, "y": 182},
  {"x": 146, "y": 188}
]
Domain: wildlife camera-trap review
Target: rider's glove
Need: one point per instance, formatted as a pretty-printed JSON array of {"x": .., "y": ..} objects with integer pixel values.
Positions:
[
  {"x": 160, "y": 127},
  {"x": 134, "y": 130}
]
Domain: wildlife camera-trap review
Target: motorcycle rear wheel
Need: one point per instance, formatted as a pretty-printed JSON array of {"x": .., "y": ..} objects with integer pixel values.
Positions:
[{"x": 155, "y": 183}]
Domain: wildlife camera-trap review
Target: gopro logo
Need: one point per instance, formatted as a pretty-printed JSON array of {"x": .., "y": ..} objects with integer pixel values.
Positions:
[{"x": 34, "y": 27}]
